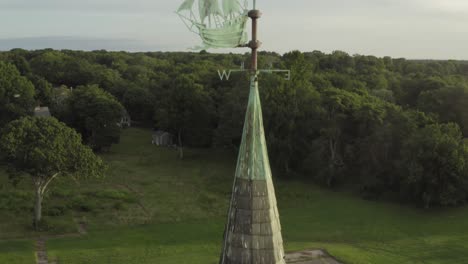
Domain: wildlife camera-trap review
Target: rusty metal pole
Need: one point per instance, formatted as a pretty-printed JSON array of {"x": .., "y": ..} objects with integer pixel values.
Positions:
[{"x": 254, "y": 43}]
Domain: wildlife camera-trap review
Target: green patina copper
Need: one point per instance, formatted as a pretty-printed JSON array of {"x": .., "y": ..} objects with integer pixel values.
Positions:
[
  {"x": 253, "y": 163},
  {"x": 218, "y": 27}
]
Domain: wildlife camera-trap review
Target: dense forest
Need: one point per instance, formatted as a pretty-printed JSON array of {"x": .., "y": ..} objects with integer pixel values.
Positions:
[{"x": 390, "y": 128}]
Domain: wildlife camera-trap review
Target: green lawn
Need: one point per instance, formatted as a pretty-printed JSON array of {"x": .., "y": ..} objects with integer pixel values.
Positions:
[
  {"x": 154, "y": 208},
  {"x": 16, "y": 251}
]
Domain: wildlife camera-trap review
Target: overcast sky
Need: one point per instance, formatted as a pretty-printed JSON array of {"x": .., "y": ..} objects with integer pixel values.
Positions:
[{"x": 432, "y": 29}]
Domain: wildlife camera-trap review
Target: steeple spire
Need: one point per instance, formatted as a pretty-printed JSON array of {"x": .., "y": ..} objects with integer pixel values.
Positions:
[{"x": 253, "y": 229}]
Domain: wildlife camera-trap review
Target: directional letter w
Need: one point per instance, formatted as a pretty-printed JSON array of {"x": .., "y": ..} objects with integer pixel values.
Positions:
[{"x": 224, "y": 74}]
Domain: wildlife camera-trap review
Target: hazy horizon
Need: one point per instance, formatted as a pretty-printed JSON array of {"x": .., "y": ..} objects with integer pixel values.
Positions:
[{"x": 413, "y": 29}]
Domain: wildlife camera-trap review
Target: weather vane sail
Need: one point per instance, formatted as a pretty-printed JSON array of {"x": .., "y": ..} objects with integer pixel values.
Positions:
[{"x": 219, "y": 26}]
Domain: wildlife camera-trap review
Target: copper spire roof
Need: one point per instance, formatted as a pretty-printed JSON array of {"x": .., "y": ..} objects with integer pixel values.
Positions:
[{"x": 253, "y": 230}]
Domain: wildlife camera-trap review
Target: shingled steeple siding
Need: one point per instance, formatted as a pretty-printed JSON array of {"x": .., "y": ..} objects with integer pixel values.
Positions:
[{"x": 253, "y": 229}]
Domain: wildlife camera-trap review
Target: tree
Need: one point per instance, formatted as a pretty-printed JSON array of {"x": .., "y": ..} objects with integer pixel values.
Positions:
[
  {"x": 43, "y": 90},
  {"x": 435, "y": 166},
  {"x": 338, "y": 61},
  {"x": 379, "y": 149},
  {"x": 59, "y": 101},
  {"x": 17, "y": 58},
  {"x": 290, "y": 108},
  {"x": 106, "y": 78},
  {"x": 95, "y": 114},
  {"x": 449, "y": 103},
  {"x": 186, "y": 110},
  {"x": 231, "y": 113},
  {"x": 16, "y": 94},
  {"x": 411, "y": 89},
  {"x": 50, "y": 65},
  {"x": 45, "y": 149},
  {"x": 138, "y": 102},
  {"x": 339, "y": 107}
]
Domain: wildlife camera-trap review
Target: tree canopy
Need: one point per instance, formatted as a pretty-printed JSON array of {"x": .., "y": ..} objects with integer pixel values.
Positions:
[
  {"x": 186, "y": 110},
  {"x": 341, "y": 120},
  {"x": 16, "y": 94},
  {"x": 95, "y": 114}
]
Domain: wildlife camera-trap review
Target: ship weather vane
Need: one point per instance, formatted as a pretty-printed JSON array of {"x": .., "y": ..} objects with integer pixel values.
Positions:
[
  {"x": 253, "y": 231},
  {"x": 217, "y": 28},
  {"x": 222, "y": 26}
]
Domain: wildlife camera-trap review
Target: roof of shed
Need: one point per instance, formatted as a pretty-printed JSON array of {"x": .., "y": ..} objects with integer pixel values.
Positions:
[{"x": 42, "y": 111}]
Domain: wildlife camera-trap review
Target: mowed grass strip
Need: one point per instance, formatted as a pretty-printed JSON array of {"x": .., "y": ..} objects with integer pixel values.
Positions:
[
  {"x": 156, "y": 243},
  {"x": 154, "y": 208}
]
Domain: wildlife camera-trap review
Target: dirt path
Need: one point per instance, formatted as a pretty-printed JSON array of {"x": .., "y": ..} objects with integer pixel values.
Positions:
[
  {"x": 41, "y": 247},
  {"x": 41, "y": 251}
]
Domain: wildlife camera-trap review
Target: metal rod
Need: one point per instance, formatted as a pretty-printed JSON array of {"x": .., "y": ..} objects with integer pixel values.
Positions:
[
  {"x": 254, "y": 43},
  {"x": 254, "y": 48}
]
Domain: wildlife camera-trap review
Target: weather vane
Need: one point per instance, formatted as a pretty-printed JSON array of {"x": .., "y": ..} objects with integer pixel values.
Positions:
[
  {"x": 217, "y": 28},
  {"x": 253, "y": 231}
]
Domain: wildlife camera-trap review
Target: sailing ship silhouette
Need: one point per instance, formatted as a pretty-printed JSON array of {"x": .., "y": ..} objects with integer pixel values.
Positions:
[{"x": 218, "y": 27}]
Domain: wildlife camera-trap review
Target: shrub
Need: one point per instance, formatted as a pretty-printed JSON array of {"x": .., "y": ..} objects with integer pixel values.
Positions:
[
  {"x": 16, "y": 201},
  {"x": 113, "y": 194},
  {"x": 84, "y": 204},
  {"x": 119, "y": 206},
  {"x": 56, "y": 210}
]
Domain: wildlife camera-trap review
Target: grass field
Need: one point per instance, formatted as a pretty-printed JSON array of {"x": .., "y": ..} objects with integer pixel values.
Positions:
[{"x": 155, "y": 208}]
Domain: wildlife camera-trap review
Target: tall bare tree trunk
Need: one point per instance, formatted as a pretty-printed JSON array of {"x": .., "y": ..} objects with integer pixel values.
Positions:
[
  {"x": 331, "y": 163},
  {"x": 40, "y": 185},
  {"x": 38, "y": 206},
  {"x": 181, "y": 147}
]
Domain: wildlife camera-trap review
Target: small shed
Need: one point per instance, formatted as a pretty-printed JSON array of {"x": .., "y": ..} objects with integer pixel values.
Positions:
[
  {"x": 162, "y": 138},
  {"x": 42, "y": 111},
  {"x": 125, "y": 120}
]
